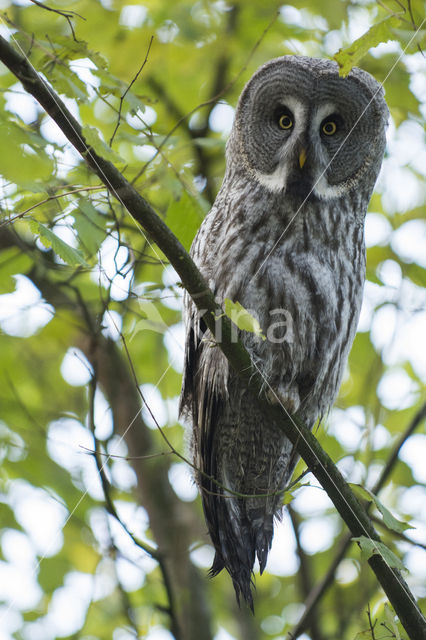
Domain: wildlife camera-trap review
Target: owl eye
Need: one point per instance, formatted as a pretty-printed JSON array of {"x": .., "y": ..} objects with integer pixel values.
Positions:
[
  {"x": 329, "y": 128},
  {"x": 285, "y": 121}
]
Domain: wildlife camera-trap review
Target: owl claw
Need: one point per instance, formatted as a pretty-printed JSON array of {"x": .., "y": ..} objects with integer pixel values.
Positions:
[{"x": 288, "y": 398}]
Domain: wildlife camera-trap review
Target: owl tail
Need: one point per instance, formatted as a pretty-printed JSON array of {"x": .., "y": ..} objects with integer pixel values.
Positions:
[{"x": 240, "y": 531}]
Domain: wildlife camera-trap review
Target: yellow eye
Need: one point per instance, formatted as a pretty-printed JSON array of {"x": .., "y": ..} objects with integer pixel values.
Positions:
[
  {"x": 329, "y": 128},
  {"x": 285, "y": 122}
]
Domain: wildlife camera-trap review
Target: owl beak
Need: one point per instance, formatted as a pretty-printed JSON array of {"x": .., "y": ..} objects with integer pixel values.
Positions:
[{"x": 302, "y": 158}]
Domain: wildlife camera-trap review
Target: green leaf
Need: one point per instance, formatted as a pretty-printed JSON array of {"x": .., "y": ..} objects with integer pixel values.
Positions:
[
  {"x": 93, "y": 139},
  {"x": 152, "y": 320},
  {"x": 289, "y": 495},
  {"x": 371, "y": 548},
  {"x": 134, "y": 102},
  {"x": 184, "y": 216},
  {"x": 411, "y": 40},
  {"x": 68, "y": 254},
  {"x": 67, "y": 82},
  {"x": 388, "y": 519},
  {"x": 90, "y": 227},
  {"x": 378, "y": 33},
  {"x": 390, "y": 619},
  {"x": 26, "y": 161},
  {"x": 242, "y": 318},
  {"x": 72, "y": 50}
]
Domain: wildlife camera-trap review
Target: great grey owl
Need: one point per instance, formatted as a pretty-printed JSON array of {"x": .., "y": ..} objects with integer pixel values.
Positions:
[{"x": 285, "y": 239}]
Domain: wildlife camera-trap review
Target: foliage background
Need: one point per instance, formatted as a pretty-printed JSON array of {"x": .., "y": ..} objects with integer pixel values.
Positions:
[{"x": 90, "y": 323}]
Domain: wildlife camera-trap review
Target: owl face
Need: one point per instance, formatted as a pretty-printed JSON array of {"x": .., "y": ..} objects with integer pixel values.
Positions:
[{"x": 302, "y": 129}]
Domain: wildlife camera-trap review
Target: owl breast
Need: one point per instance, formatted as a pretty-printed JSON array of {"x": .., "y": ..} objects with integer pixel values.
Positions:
[{"x": 301, "y": 277}]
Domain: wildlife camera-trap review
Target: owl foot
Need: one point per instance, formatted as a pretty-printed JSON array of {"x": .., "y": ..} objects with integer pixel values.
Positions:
[{"x": 288, "y": 398}]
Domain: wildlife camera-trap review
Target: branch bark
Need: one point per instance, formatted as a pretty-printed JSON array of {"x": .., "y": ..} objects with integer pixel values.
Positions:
[{"x": 306, "y": 444}]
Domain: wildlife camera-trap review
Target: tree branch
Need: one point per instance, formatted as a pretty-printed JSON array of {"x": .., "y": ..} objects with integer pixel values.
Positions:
[
  {"x": 306, "y": 444},
  {"x": 321, "y": 587}
]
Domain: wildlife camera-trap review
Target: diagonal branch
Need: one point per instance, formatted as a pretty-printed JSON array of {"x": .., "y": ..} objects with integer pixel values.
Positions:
[
  {"x": 318, "y": 591},
  {"x": 306, "y": 444}
]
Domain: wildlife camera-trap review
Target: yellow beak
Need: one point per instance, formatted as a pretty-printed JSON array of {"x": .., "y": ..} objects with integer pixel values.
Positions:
[{"x": 302, "y": 158}]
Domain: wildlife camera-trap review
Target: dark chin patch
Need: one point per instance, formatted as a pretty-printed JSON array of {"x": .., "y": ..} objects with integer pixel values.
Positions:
[{"x": 301, "y": 187}]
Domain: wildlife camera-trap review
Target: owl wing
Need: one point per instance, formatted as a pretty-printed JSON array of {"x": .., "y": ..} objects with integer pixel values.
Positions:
[
  {"x": 204, "y": 393},
  {"x": 204, "y": 396},
  {"x": 196, "y": 334}
]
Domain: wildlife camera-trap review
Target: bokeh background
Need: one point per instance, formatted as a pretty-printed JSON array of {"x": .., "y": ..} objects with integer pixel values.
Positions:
[{"x": 91, "y": 342}]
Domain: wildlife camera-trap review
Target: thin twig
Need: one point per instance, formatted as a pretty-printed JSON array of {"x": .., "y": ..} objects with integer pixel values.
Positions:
[
  {"x": 177, "y": 453},
  {"x": 68, "y": 15},
  {"x": 115, "y": 456},
  {"x": 404, "y": 9},
  {"x": 371, "y": 624},
  {"x": 128, "y": 89},
  {"x": 22, "y": 214},
  {"x": 204, "y": 158},
  {"x": 151, "y": 551},
  {"x": 419, "y": 417}
]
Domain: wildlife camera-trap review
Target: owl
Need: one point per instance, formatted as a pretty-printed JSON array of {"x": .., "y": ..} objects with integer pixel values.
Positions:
[{"x": 285, "y": 239}]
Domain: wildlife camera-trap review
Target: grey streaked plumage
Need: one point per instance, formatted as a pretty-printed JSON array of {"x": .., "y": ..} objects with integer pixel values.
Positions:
[{"x": 285, "y": 239}]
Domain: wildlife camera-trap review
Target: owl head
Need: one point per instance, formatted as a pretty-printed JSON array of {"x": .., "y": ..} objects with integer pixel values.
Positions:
[{"x": 302, "y": 129}]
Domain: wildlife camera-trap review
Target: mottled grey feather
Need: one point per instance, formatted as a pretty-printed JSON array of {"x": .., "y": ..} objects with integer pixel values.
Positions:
[{"x": 286, "y": 241}]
